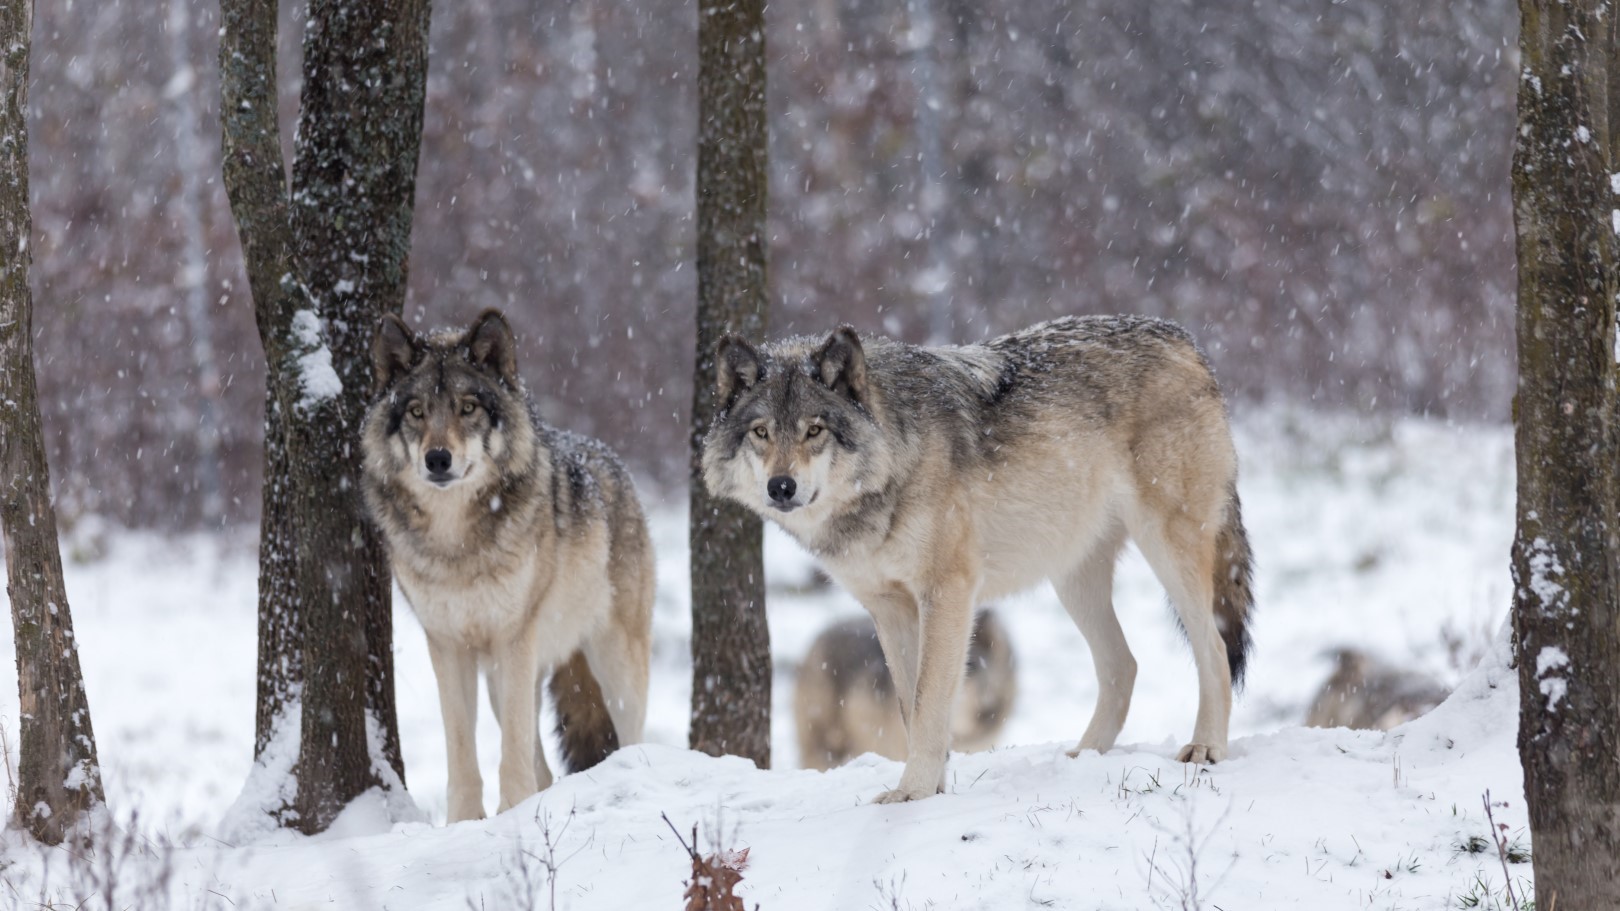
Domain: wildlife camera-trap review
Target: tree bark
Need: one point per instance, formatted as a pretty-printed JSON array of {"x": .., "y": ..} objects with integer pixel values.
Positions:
[
  {"x": 59, "y": 777},
  {"x": 731, "y": 656},
  {"x": 1566, "y": 554},
  {"x": 360, "y": 131},
  {"x": 322, "y": 270}
]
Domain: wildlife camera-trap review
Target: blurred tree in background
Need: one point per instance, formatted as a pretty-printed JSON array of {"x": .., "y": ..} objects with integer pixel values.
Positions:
[{"x": 1318, "y": 191}]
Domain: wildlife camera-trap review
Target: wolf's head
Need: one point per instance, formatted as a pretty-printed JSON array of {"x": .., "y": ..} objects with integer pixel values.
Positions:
[
  {"x": 447, "y": 409},
  {"x": 796, "y": 433}
]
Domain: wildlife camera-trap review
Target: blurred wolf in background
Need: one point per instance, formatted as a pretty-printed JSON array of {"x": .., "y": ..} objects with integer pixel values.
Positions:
[
  {"x": 1365, "y": 692},
  {"x": 844, "y": 702},
  {"x": 521, "y": 549},
  {"x": 929, "y": 480}
]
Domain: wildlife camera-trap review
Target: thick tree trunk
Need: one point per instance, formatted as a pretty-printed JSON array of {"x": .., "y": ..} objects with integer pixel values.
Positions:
[
  {"x": 1566, "y": 555},
  {"x": 354, "y": 179},
  {"x": 731, "y": 656},
  {"x": 322, "y": 272},
  {"x": 58, "y": 776}
]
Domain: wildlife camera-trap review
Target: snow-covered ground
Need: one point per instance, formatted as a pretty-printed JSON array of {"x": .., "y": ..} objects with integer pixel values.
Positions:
[{"x": 1389, "y": 536}]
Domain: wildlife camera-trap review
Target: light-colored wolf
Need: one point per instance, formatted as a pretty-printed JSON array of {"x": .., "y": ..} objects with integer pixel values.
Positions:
[
  {"x": 929, "y": 480},
  {"x": 844, "y": 703},
  {"x": 521, "y": 549},
  {"x": 1368, "y": 693}
]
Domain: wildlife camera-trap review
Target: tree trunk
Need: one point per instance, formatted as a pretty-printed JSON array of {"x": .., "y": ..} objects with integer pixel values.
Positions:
[
  {"x": 322, "y": 272},
  {"x": 59, "y": 776},
  {"x": 1566, "y": 556},
  {"x": 731, "y": 655}
]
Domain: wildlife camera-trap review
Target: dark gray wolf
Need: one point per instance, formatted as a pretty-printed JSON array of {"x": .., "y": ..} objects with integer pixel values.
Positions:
[
  {"x": 929, "y": 480},
  {"x": 844, "y": 703},
  {"x": 521, "y": 549}
]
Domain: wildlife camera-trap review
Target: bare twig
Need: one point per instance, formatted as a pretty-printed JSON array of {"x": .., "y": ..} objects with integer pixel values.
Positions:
[
  {"x": 1500, "y": 839},
  {"x": 691, "y": 849}
]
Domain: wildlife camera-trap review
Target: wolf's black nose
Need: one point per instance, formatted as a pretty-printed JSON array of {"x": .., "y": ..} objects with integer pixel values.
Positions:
[
  {"x": 438, "y": 460},
  {"x": 781, "y": 488}
]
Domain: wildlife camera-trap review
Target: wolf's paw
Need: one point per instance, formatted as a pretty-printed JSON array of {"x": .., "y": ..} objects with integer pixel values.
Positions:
[
  {"x": 1091, "y": 744},
  {"x": 901, "y": 795},
  {"x": 1201, "y": 754},
  {"x": 462, "y": 813}
]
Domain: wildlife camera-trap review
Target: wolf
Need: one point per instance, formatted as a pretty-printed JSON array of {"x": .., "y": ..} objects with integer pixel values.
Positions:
[
  {"x": 521, "y": 549},
  {"x": 844, "y": 703},
  {"x": 1368, "y": 693},
  {"x": 931, "y": 479}
]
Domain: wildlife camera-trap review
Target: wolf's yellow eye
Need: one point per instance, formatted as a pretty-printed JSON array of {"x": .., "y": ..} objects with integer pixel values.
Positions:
[
  {"x": 761, "y": 432},
  {"x": 814, "y": 431},
  {"x": 416, "y": 411},
  {"x": 469, "y": 407}
]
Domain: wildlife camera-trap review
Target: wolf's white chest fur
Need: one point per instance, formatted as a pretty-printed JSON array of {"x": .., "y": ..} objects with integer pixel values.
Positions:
[
  {"x": 474, "y": 597},
  {"x": 476, "y": 612}
]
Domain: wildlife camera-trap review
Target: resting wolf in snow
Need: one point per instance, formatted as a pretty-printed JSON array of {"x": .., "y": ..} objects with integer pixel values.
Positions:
[
  {"x": 1365, "y": 692},
  {"x": 844, "y": 702},
  {"x": 929, "y": 480},
  {"x": 521, "y": 549}
]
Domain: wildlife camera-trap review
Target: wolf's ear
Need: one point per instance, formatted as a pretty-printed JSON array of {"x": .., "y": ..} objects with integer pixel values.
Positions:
[
  {"x": 393, "y": 351},
  {"x": 736, "y": 368},
  {"x": 840, "y": 364},
  {"x": 490, "y": 343}
]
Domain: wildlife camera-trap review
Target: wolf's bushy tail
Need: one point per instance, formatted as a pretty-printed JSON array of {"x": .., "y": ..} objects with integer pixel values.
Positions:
[
  {"x": 583, "y": 724},
  {"x": 1234, "y": 588}
]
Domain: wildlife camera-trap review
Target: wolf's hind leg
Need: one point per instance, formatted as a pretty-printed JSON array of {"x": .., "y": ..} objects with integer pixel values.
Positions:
[
  {"x": 618, "y": 658},
  {"x": 1087, "y": 594},
  {"x": 1182, "y": 554}
]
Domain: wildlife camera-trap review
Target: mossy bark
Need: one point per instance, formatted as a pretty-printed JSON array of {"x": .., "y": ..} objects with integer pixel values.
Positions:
[
  {"x": 731, "y": 656},
  {"x": 1566, "y": 552},
  {"x": 58, "y": 774}
]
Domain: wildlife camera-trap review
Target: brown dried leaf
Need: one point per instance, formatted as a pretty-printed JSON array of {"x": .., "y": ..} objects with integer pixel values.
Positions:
[{"x": 714, "y": 880}]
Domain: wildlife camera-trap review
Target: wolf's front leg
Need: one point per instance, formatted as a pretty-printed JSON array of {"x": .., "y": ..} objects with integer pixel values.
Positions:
[
  {"x": 517, "y": 667},
  {"x": 894, "y": 614},
  {"x": 947, "y": 620},
  {"x": 456, "y": 670}
]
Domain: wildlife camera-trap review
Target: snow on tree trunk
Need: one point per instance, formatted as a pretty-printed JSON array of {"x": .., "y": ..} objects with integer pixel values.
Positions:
[
  {"x": 324, "y": 261},
  {"x": 731, "y": 658},
  {"x": 1566, "y": 556},
  {"x": 354, "y": 179},
  {"x": 58, "y": 776}
]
